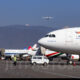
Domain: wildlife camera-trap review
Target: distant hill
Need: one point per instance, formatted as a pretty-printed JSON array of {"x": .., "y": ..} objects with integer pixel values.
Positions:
[{"x": 20, "y": 36}]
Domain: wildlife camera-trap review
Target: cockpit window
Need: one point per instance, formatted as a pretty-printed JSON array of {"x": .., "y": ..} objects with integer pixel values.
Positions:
[
  {"x": 53, "y": 35},
  {"x": 46, "y": 35},
  {"x": 50, "y": 35}
]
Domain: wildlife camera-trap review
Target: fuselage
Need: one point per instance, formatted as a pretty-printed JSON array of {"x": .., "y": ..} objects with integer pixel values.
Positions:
[
  {"x": 9, "y": 52},
  {"x": 63, "y": 40}
]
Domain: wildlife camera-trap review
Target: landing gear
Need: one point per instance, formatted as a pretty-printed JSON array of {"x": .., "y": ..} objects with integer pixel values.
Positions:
[
  {"x": 51, "y": 59},
  {"x": 69, "y": 59}
]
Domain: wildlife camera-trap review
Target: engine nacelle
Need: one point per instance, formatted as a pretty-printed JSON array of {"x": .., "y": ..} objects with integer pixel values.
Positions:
[{"x": 75, "y": 57}]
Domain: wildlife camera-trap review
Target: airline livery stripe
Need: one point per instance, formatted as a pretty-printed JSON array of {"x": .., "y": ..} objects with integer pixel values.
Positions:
[{"x": 52, "y": 54}]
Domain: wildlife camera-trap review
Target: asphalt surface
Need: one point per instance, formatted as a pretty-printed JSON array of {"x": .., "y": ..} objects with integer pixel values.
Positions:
[{"x": 24, "y": 69}]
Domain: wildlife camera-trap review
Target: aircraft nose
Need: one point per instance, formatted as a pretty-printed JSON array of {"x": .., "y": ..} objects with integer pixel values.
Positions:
[{"x": 41, "y": 41}]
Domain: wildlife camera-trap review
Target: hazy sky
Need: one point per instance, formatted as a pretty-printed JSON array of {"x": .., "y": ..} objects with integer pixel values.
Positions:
[{"x": 65, "y": 12}]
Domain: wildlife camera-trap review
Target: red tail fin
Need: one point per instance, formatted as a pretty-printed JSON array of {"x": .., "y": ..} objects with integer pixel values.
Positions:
[{"x": 29, "y": 48}]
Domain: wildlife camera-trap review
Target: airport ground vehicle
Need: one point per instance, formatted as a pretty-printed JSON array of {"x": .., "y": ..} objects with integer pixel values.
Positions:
[{"x": 39, "y": 60}]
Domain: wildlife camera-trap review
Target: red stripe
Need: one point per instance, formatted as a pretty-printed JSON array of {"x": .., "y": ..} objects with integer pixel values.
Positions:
[
  {"x": 78, "y": 32},
  {"x": 52, "y": 54}
]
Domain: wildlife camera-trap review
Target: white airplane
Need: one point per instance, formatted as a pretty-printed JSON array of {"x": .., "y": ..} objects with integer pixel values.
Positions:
[
  {"x": 47, "y": 17},
  {"x": 63, "y": 40},
  {"x": 24, "y": 52}
]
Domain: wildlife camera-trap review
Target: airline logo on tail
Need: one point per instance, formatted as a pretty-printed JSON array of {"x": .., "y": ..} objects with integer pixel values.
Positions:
[{"x": 32, "y": 48}]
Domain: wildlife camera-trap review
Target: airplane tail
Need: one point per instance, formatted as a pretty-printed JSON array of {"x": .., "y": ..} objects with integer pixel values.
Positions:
[
  {"x": 34, "y": 46},
  {"x": 30, "y": 48}
]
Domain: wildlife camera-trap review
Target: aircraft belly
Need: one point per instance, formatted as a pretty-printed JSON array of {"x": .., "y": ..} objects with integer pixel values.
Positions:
[{"x": 64, "y": 49}]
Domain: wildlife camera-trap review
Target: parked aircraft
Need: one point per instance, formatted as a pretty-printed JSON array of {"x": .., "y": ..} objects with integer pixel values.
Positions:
[
  {"x": 63, "y": 40},
  {"x": 25, "y": 51}
]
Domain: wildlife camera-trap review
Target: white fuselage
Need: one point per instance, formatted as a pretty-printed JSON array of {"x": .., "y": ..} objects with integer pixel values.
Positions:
[
  {"x": 10, "y": 52},
  {"x": 63, "y": 40}
]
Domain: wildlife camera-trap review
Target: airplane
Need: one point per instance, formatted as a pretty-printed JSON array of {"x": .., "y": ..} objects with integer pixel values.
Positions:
[
  {"x": 23, "y": 52},
  {"x": 47, "y": 17},
  {"x": 63, "y": 40}
]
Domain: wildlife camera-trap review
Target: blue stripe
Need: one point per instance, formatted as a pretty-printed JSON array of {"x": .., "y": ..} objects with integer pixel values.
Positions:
[{"x": 11, "y": 53}]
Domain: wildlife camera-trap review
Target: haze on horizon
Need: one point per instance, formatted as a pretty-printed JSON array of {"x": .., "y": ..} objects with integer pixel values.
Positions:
[{"x": 64, "y": 12}]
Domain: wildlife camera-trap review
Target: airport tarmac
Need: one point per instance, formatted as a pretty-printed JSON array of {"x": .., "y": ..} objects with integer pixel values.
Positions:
[{"x": 24, "y": 69}]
